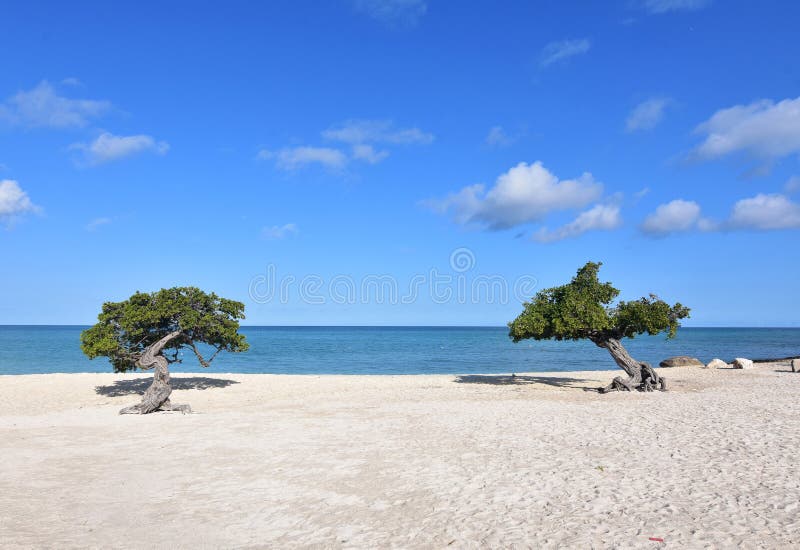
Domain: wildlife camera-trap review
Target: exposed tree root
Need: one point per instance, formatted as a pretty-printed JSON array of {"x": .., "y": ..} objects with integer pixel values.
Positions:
[
  {"x": 145, "y": 408},
  {"x": 641, "y": 376},
  {"x": 644, "y": 379}
]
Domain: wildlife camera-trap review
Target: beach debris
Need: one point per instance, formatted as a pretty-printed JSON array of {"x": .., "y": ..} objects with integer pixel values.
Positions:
[
  {"x": 795, "y": 365},
  {"x": 717, "y": 363},
  {"x": 742, "y": 363},
  {"x": 681, "y": 361},
  {"x": 656, "y": 539}
]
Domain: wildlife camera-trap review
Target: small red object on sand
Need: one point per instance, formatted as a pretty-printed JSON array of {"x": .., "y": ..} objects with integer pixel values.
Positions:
[{"x": 656, "y": 539}]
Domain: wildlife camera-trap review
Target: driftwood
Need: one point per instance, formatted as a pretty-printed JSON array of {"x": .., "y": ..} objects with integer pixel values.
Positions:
[
  {"x": 775, "y": 360},
  {"x": 794, "y": 361},
  {"x": 156, "y": 397}
]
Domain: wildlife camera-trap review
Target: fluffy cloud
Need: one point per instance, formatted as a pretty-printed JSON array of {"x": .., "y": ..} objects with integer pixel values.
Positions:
[
  {"x": 647, "y": 114},
  {"x": 526, "y": 193},
  {"x": 765, "y": 212},
  {"x": 599, "y": 217},
  {"x": 14, "y": 202},
  {"x": 664, "y": 6},
  {"x": 277, "y": 232},
  {"x": 43, "y": 107},
  {"x": 108, "y": 147},
  {"x": 291, "y": 158},
  {"x": 763, "y": 129},
  {"x": 562, "y": 50},
  {"x": 675, "y": 216},
  {"x": 376, "y": 131},
  {"x": 407, "y": 12}
]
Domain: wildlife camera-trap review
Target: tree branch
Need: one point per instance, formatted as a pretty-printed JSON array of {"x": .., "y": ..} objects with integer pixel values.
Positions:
[
  {"x": 148, "y": 358},
  {"x": 200, "y": 358}
]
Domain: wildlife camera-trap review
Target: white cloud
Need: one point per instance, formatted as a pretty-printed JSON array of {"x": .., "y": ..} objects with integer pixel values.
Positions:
[
  {"x": 407, "y": 12},
  {"x": 792, "y": 184},
  {"x": 600, "y": 217},
  {"x": 360, "y": 135},
  {"x": 14, "y": 202},
  {"x": 647, "y": 114},
  {"x": 675, "y": 216},
  {"x": 291, "y": 158},
  {"x": 763, "y": 129},
  {"x": 71, "y": 81},
  {"x": 277, "y": 232},
  {"x": 376, "y": 131},
  {"x": 526, "y": 193},
  {"x": 367, "y": 153},
  {"x": 765, "y": 212},
  {"x": 665, "y": 6},
  {"x": 562, "y": 50},
  {"x": 497, "y": 137},
  {"x": 97, "y": 222},
  {"x": 43, "y": 107},
  {"x": 108, "y": 147}
]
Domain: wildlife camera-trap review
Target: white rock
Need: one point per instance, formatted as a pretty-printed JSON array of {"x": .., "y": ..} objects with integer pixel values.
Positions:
[
  {"x": 742, "y": 363},
  {"x": 717, "y": 364}
]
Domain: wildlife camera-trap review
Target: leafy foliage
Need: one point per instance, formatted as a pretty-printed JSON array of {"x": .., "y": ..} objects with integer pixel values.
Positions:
[
  {"x": 125, "y": 329},
  {"x": 583, "y": 309}
]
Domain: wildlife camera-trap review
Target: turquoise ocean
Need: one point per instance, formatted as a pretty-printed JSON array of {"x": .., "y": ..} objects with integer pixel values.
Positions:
[{"x": 399, "y": 350}]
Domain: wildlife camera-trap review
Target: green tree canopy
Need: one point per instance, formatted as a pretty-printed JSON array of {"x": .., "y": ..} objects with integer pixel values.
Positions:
[
  {"x": 126, "y": 329},
  {"x": 583, "y": 309}
]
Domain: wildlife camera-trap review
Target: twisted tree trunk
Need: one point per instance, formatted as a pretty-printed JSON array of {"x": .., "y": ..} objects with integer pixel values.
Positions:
[
  {"x": 641, "y": 376},
  {"x": 156, "y": 397}
]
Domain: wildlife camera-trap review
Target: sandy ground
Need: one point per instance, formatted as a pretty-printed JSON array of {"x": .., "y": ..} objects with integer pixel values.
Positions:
[{"x": 402, "y": 462}]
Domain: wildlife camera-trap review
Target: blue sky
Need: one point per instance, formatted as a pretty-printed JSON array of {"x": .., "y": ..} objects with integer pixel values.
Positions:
[{"x": 359, "y": 153}]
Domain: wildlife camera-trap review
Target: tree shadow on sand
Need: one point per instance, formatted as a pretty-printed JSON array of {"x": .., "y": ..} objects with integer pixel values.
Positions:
[
  {"x": 785, "y": 368},
  {"x": 516, "y": 380},
  {"x": 139, "y": 385}
]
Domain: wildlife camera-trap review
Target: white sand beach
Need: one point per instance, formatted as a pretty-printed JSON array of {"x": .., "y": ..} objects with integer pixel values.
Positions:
[{"x": 402, "y": 461}]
